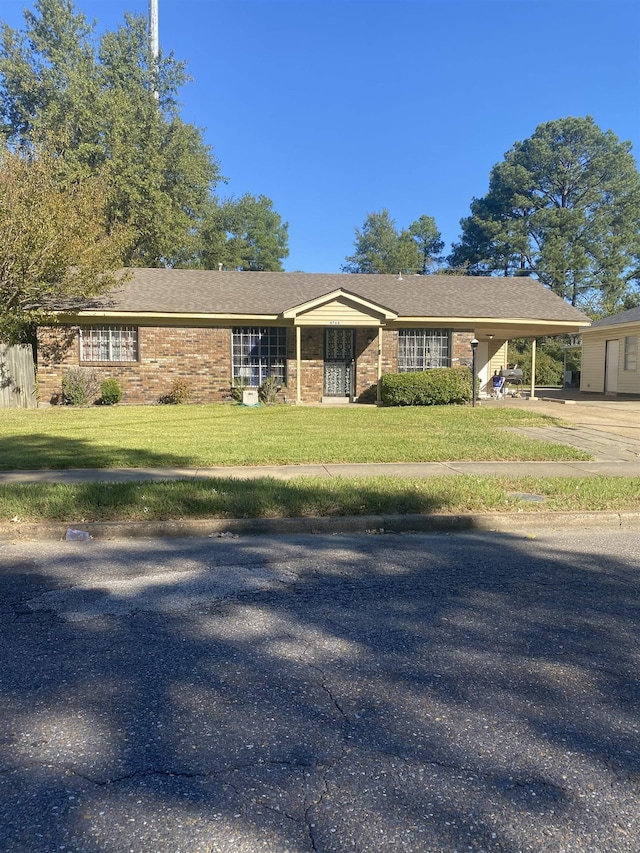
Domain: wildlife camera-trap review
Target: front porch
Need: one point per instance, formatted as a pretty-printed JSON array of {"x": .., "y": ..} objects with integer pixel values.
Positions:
[
  {"x": 344, "y": 344},
  {"x": 337, "y": 365}
]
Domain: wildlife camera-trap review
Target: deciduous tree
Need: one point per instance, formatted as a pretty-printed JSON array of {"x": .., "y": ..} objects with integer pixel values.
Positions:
[
  {"x": 109, "y": 103},
  {"x": 53, "y": 240}
]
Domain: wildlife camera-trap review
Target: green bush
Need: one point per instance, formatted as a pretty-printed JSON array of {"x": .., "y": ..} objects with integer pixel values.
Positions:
[
  {"x": 80, "y": 386},
  {"x": 549, "y": 371},
  {"x": 239, "y": 385},
  {"x": 268, "y": 391},
  {"x": 110, "y": 392},
  {"x": 550, "y": 355},
  {"x": 440, "y": 386},
  {"x": 180, "y": 393}
]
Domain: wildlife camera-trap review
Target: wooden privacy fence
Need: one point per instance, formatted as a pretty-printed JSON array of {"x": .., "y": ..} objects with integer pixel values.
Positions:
[{"x": 17, "y": 377}]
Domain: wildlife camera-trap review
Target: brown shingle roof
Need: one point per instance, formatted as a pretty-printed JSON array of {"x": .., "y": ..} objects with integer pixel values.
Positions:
[
  {"x": 630, "y": 316},
  {"x": 268, "y": 293}
]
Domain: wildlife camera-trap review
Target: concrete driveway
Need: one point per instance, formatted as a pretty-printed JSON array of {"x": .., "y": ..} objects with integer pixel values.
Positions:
[{"x": 606, "y": 427}]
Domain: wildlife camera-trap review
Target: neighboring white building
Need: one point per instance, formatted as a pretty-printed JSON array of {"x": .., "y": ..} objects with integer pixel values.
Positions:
[{"x": 610, "y": 355}]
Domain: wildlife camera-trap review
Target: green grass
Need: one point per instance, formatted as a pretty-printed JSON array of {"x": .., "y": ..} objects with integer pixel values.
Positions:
[
  {"x": 150, "y": 436},
  {"x": 304, "y": 497}
]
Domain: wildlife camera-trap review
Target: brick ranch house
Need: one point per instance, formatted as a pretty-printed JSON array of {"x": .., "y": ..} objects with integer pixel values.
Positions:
[{"x": 325, "y": 337}]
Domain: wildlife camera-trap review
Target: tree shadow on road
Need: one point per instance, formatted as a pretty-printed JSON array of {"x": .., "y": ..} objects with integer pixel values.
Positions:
[{"x": 320, "y": 694}]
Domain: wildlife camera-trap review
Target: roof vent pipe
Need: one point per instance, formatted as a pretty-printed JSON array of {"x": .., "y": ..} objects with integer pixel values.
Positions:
[{"x": 219, "y": 267}]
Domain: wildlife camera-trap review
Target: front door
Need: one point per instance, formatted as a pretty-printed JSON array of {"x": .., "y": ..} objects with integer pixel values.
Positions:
[
  {"x": 339, "y": 361},
  {"x": 611, "y": 357}
]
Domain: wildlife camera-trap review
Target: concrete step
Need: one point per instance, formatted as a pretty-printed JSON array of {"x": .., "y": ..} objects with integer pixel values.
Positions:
[{"x": 336, "y": 401}]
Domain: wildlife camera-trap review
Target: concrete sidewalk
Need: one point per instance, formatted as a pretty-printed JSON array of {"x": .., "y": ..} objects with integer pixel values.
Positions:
[{"x": 609, "y": 468}]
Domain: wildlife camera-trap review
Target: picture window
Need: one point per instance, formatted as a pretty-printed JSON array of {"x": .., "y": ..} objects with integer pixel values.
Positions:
[
  {"x": 423, "y": 349},
  {"x": 108, "y": 343},
  {"x": 258, "y": 353}
]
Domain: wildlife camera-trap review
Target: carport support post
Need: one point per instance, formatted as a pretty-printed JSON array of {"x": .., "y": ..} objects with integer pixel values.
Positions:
[
  {"x": 298, "y": 366},
  {"x": 379, "y": 389},
  {"x": 532, "y": 396},
  {"x": 474, "y": 347}
]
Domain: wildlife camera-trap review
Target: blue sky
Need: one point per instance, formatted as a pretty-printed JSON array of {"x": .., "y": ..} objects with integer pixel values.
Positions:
[{"x": 338, "y": 108}]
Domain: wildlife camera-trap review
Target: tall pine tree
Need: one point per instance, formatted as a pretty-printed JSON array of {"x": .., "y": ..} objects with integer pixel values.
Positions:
[{"x": 565, "y": 205}]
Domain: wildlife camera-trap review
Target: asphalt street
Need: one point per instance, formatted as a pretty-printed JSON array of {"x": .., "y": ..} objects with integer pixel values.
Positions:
[{"x": 337, "y": 694}]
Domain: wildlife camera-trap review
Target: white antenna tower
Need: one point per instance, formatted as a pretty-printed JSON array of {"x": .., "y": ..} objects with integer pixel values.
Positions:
[
  {"x": 153, "y": 42},
  {"x": 153, "y": 27}
]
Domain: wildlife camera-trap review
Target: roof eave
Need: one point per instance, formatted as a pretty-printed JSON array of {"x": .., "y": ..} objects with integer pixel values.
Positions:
[
  {"x": 70, "y": 317},
  {"x": 630, "y": 325}
]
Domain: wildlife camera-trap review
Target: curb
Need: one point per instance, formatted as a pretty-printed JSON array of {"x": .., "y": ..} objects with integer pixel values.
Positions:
[
  {"x": 560, "y": 402},
  {"x": 509, "y": 523}
]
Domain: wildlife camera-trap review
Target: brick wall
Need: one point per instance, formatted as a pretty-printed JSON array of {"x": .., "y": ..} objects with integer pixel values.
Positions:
[
  {"x": 461, "y": 349},
  {"x": 366, "y": 365},
  {"x": 367, "y": 360},
  {"x": 312, "y": 373},
  {"x": 201, "y": 356},
  {"x": 57, "y": 349},
  {"x": 312, "y": 367}
]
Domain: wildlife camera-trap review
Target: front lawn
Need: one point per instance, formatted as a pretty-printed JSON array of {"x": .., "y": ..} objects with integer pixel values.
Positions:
[{"x": 204, "y": 436}]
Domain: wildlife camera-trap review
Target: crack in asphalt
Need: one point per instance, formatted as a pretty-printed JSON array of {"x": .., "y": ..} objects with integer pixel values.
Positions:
[
  {"x": 527, "y": 784},
  {"x": 347, "y": 728},
  {"x": 334, "y": 700},
  {"x": 152, "y": 771},
  {"x": 315, "y": 804},
  {"x": 325, "y": 768}
]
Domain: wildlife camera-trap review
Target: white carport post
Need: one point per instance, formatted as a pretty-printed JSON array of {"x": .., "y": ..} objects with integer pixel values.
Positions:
[
  {"x": 298, "y": 366},
  {"x": 532, "y": 395},
  {"x": 378, "y": 391}
]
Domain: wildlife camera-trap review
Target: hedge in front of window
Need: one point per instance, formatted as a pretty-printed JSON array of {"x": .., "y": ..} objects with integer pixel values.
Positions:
[{"x": 441, "y": 386}]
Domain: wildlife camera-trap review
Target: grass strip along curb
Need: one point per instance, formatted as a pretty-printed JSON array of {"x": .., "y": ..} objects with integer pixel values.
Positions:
[{"x": 310, "y": 497}]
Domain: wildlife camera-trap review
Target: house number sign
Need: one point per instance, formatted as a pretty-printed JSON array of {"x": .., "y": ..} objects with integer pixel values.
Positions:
[{"x": 334, "y": 322}]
